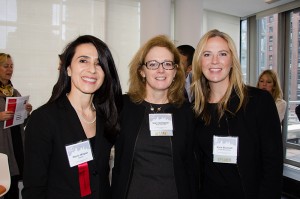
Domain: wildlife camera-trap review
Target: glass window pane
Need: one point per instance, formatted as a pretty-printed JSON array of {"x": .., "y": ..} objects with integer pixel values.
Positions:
[
  {"x": 267, "y": 46},
  {"x": 293, "y": 134},
  {"x": 244, "y": 48}
]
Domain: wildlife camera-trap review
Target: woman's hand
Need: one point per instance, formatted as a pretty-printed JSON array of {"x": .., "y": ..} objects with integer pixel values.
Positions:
[
  {"x": 28, "y": 108},
  {"x": 6, "y": 115}
]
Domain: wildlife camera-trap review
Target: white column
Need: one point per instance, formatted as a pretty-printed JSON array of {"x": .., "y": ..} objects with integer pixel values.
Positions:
[
  {"x": 188, "y": 21},
  {"x": 155, "y": 18}
]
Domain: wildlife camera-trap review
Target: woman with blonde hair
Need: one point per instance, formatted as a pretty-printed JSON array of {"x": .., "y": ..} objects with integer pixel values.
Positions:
[
  {"x": 154, "y": 151},
  {"x": 239, "y": 139},
  {"x": 11, "y": 139},
  {"x": 268, "y": 80}
]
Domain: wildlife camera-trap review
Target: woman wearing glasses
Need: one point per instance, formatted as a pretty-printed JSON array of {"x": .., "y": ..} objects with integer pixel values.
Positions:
[{"x": 154, "y": 151}]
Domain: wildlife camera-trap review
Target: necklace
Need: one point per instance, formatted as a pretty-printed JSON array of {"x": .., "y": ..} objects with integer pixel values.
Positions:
[
  {"x": 88, "y": 122},
  {"x": 7, "y": 90},
  {"x": 81, "y": 116},
  {"x": 158, "y": 109}
]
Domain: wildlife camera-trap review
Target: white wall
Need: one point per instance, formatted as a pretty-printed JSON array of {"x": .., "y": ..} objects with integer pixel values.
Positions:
[
  {"x": 35, "y": 35},
  {"x": 223, "y": 22},
  {"x": 188, "y": 21},
  {"x": 35, "y": 32},
  {"x": 123, "y": 34}
]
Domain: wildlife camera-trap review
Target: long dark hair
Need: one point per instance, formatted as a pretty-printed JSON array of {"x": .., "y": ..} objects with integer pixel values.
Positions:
[{"x": 108, "y": 98}]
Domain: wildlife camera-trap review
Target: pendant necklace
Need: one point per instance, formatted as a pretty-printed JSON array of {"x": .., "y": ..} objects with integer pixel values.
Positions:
[{"x": 158, "y": 109}]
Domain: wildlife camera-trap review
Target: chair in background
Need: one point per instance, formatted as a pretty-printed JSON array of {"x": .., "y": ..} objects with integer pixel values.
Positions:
[{"x": 4, "y": 174}]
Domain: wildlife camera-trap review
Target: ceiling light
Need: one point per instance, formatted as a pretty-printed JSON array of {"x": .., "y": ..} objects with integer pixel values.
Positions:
[{"x": 270, "y": 1}]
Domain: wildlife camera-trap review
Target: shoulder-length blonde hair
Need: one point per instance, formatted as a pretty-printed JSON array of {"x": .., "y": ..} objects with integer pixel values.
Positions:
[
  {"x": 276, "y": 91},
  {"x": 200, "y": 85},
  {"x": 3, "y": 58},
  {"x": 137, "y": 84}
]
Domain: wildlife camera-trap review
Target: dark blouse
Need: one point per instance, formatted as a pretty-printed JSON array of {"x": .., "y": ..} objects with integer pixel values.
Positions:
[
  {"x": 153, "y": 171},
  {"x": 221, "y": 180}
]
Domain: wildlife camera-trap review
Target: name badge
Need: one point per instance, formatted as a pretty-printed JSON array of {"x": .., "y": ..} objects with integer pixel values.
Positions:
[
  {"x": 161, "y": 124},
  {"x": 79, "y": 153},
  {"x": 225, "y": 149}
]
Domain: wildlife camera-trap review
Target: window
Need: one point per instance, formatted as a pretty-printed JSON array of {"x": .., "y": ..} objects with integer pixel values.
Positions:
[
  {"x": 270, "y": 39},
  {"x": 279, "y": 49},
  {"x": 49, "y": 25},
  {"x": 244, "y": 49},
  {"x": 293, "y": 124},
  {"x": 266, "y": 47},
  {"x": 270, "y": 48}
]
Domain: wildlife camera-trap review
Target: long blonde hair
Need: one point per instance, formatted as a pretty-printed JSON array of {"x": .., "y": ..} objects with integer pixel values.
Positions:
[
  {"x": 200, "y": 86},
  {"x": 137, "y": 85}
]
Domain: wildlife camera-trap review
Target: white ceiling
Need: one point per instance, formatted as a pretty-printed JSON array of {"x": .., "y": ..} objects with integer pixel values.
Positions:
[{"x": 241, "y": 8}]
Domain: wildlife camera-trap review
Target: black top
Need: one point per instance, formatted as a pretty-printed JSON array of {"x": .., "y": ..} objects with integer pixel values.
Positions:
[
  {"x": 131, "y": 120},
  {"x": 47, "y": 172},
  {"x": 223, "y": 177},
  {"x": 260, "y": 153},
  {"x": 297, "y": 111},
  {"x": 153, "y": 163}
]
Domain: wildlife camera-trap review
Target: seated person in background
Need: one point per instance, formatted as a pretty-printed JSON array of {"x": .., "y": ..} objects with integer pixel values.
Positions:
[
  {"x": 186, "y": 58},
  {"x": 297, "y": 111},
  {"x": 268, "y": 80}
]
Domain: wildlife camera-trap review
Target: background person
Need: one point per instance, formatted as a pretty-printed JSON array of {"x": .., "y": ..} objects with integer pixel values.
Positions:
[
  {"x": 268, "y": 80},
  {"x": 186, "y": 58},
  {"x": 153, "y": 164},
  {"x": 60, "y": 60},
  {"x": 297, "y": 111},
  {"x": 11, "y": 139},
  {"x": 83, "y": 109},
  {"x": 238, "y": 126}
]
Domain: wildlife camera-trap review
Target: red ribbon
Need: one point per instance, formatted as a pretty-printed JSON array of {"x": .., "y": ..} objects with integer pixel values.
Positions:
[{"x": 84, "y": 179}]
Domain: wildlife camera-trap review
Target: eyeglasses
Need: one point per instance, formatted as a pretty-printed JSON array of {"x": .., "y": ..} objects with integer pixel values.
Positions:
[{"x": 167, "y": 65}]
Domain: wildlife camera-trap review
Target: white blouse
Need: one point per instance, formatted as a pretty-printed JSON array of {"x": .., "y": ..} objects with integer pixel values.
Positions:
[{"x": 281, "y": 107}]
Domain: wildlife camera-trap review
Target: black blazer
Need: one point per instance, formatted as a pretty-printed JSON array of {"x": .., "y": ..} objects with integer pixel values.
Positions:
[
  {"x": 182, "y": 141},
  {"x": 47, "y": 173},
  {"x": 260, "y": 153}
]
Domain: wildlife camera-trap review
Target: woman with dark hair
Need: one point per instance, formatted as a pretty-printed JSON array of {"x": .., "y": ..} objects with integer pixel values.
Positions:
[
  {"x": 68, "y": 140},
  {"x": 154, "y": 156}
]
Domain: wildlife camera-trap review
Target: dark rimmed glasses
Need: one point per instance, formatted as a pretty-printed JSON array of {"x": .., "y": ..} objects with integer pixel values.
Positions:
[{"x": 153, "y": 65}]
